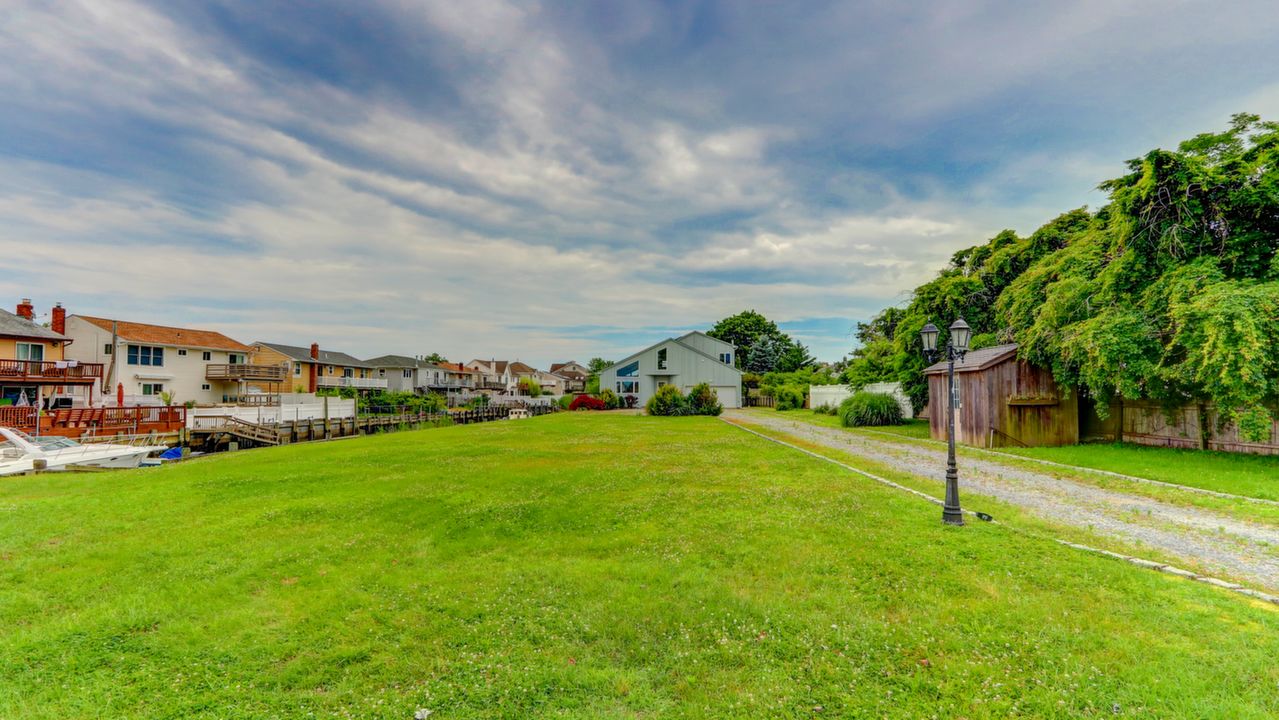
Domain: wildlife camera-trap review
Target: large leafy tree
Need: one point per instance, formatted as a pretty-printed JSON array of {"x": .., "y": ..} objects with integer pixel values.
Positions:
[
  {"x": 761, "y": 346},
  {"x": 1169, "y": 292}
]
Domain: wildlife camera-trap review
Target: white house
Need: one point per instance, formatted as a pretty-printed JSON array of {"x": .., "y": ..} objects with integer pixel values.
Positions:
[
  {"x": 683, "y": 362},
  {"x": 199, "y": 366}
]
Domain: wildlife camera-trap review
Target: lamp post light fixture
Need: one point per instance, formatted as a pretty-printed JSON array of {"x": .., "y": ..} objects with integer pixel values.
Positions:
[{"x": 956, "y": 348}]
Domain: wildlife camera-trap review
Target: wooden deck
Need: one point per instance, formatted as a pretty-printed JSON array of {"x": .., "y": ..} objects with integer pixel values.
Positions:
[
  {"x": 49, "y": 373},
  {"x": 78, "y": 422}
]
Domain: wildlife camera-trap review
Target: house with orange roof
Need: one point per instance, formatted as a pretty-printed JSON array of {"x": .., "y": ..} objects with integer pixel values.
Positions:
[
  {"x": 200, "y": 366},
  {"x": 34, "y": 365}
]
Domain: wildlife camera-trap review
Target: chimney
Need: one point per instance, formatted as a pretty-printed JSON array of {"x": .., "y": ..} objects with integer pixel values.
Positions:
[
  {"x": 59, "y": 322},
  {"x": 315, "y": 365},
  {"x": 26, "y": 309}
]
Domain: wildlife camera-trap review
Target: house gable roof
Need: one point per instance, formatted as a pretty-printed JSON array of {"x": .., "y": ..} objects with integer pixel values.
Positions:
[
  {"x": 676, "y": 341},
  {"x": 12, "y": 325},
  {"x": 399, "y": 361},
  {"x": 327, "y": 357},
  {"x": 686, "y": 335},
  {"x": 976, "y": 360},
  {"x": 165, "y": 335}
]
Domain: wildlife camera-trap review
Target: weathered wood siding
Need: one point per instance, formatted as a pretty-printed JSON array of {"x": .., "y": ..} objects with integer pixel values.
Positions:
[
  {"x": 1010, "y": 403},
  {"x": 1192, "y": 426}
]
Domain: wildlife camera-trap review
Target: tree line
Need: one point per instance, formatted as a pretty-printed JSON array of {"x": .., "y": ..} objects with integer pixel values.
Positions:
[{"x": 1168, "y": 292}]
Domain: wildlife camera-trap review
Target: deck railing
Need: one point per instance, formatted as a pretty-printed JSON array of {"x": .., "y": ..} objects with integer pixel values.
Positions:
[
  {"x": 242, "y": 371},
  {"x": 96, "y": 421},
  {"x": 350, "y": 382},
  {"x": 60, "y": 371}
]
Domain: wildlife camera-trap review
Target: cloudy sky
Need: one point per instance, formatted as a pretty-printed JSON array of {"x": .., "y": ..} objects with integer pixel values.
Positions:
[{"x": 564, "y": 180}]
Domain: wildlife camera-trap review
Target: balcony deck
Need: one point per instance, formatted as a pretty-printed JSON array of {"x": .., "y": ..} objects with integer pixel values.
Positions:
[
  {"x": 49, "y": 373},
  {"x": 242, "y": 371},
  {"x": 351, "y": 382}
]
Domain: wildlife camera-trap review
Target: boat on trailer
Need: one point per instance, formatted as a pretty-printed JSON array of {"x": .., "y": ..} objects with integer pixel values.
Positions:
[{"x": 20, "y": 451}]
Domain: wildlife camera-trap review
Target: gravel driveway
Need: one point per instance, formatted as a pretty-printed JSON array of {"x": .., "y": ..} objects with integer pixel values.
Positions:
[{"x": 1215, "y": 542}]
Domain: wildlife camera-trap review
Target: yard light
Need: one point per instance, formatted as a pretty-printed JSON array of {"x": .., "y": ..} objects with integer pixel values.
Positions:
[
  {"x": 956, "y": 348},
  {"x": 959, "y": 334},
  {"x": 929, "y": 333}
]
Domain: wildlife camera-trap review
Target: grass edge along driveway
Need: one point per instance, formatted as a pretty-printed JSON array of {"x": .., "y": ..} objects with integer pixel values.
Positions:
[{"x": 580, "y": 566}]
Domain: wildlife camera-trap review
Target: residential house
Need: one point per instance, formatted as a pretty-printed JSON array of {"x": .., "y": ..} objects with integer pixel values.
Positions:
[
  {"x": 410, "y": 374},
  {"x": 312, "y": 369},
  {"x": 575, "y": 375},
  {"x": 685, "y": 361},
  {"x": 551, "y": 383},
  {"x": 402, "y": 373},
  {"x": 459, "y": 377},
  {"x": 33, "y": 362},
  {"x": 145, "y": 360},
  {"x": 494, "y": 375}
]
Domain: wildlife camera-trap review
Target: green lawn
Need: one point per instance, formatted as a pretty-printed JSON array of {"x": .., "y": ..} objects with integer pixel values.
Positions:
[
  {"x": 1237, "y": 473},
  {"x": 581, "y": 566}
]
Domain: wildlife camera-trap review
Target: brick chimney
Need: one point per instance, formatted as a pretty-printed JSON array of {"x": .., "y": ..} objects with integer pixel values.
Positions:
[
  {"x": 59, "y": 322},
  {"x": 26, "y": 309},
  {"x": 315, "y": 365}
]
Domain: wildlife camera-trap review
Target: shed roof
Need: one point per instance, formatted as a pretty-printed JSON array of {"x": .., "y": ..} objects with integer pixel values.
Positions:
[
  {"x": 976, "y": 360},
  {"x": 165, "y": 335},
  {"x": 12, "y": 325}
]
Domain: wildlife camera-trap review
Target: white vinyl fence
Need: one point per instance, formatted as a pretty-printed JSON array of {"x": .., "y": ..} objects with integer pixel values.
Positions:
[{"x": 833, "y": 395}]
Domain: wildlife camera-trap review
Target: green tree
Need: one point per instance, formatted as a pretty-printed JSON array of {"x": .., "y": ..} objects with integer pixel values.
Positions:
[
  {"x": 761, "y": 346},
  {"x": 435, "y": 358}
]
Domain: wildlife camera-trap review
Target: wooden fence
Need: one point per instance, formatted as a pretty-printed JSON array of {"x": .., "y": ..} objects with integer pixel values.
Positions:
[{"x": 1192, "y": 426}]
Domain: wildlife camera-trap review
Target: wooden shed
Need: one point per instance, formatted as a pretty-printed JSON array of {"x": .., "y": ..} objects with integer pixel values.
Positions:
[{"x": 1002, "y": 401}]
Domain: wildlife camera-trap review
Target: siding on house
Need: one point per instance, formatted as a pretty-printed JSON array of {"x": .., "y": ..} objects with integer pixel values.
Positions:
[
  {"x": 686, "y": 364},
  {"x": 183, "y": 367}
]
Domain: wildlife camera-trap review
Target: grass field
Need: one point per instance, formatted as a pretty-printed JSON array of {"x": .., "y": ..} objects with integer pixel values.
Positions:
[
  {"x": 581, "y": 566},
  {"x": 1236, "y": 473}
]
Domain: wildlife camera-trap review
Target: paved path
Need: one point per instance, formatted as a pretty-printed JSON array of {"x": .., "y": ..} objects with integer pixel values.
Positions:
[{"x": 1218, "y": 543}]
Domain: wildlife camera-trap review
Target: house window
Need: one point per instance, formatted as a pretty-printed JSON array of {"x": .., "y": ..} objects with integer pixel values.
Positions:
[
  {"x": 407, "y": 373},
  {"x": 348, "y": 372},
  {"x": 627, "y": 387},
  {"x": 146, "y": 355},
  {"x": 661, "y": 359},
  {"x": 631, "y": 370},
  {"x": 235, "y": 358},
  {"x": 31, "y": 351},
  {"x": 726, "y": 358},
  {"x": 297, "y": 369},
  {"x": 206, "y": 356},
  {"x": 152, "y": 388},
  {"x": 108, "y": 349},
  {"x": 205, "y": 386},
  {"x": 182, "y": 352}
]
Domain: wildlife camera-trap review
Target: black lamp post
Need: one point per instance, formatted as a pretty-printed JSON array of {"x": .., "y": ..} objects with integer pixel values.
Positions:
[{"x": 956, "y": 348}]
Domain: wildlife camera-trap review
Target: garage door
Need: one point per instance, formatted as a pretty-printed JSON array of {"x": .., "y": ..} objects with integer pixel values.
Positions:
[{"x": 727, "y": 395}]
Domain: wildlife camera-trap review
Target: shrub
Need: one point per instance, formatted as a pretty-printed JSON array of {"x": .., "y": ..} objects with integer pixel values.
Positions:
[
  {"x": 587, "y": 402},
  {"x": 668, "y": 400},
  {"x": 528, "y": 386},
  {"x": 565, "y": 401},
  {"x": 702, "y": 400},
  {"x": 867, "y": 408},
  {"x": 630, "y": 401},
  {"x": 788, "y": 397},
  {"x": 826, "y": 409},
  {"x": 611, "y": 401}
]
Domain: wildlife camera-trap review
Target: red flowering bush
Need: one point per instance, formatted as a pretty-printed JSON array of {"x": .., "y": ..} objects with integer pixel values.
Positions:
[{"x": 586, "y": 402}]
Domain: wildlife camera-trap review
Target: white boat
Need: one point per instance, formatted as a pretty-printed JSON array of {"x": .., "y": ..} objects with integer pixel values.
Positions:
[{"x": 19, "y": 451}]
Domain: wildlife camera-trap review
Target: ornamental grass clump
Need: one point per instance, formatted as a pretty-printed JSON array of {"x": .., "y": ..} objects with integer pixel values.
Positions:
[{"x": 869, "y": 409}]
